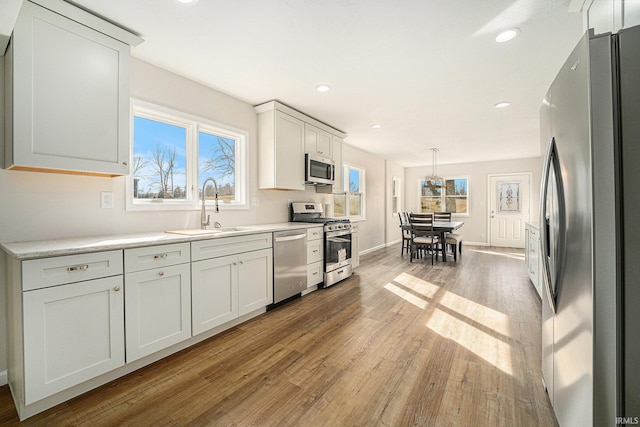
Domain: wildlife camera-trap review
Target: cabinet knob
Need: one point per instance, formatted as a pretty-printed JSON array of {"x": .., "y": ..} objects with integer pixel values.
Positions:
[
  {"x": 161, "y": 273},
  {"x": 117, "y": 289},
  {"x": 241, "y": 262},
  {"x": 125, "y": 163}
]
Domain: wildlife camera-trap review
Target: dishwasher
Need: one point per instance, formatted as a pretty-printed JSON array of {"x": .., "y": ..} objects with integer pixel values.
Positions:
[{"x": 289, "y": 264}]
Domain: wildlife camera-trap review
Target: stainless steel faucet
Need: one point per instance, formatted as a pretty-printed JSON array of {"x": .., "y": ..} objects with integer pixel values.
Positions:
[{"x": 204, "y": 218}]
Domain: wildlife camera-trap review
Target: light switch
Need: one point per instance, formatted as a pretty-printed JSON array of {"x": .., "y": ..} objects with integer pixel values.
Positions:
[{"x": 106, "y": 199}]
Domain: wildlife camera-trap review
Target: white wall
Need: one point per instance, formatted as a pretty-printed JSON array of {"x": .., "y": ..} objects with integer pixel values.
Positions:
[
  {"x": 372, "y": 229},
  {"x": 393, "y": 170},
  {"x": 475, "y": 229}
]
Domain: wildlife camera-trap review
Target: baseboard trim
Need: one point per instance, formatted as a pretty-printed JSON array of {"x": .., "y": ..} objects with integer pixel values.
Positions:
[
  {"x": 474, "y": 243},
  {"x": 3, "y": 378},
  {"x": 392, "y": 243},
  {"x": 373, "y": 249}
]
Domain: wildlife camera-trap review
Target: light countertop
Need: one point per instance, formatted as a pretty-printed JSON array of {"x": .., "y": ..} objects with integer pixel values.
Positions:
[{"x": 58, "y": 247}]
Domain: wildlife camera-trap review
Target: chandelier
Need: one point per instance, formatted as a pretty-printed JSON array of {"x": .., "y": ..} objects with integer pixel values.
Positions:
[{"x": 433, "y": 184}]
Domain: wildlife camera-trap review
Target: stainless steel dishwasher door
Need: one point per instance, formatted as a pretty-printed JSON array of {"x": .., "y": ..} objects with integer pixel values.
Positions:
[{"x": 289, "y": 264}]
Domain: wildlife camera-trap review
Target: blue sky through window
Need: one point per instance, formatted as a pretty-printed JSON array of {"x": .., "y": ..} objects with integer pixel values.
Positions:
[{"x": 155, "y": 146}]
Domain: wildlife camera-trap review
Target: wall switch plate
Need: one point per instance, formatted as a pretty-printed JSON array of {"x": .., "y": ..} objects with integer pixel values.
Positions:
[{"x": 106, "y": 199}]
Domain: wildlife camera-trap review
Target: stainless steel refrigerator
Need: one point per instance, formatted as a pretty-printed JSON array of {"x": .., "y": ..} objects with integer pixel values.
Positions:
[{"x": 590, "y": 233}]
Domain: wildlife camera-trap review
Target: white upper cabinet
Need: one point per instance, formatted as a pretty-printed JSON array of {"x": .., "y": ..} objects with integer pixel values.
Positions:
[
  {"x": 317, "y": 141},
  {"x": 68, "y": 93},
  {"x": 284, "y": 136}
]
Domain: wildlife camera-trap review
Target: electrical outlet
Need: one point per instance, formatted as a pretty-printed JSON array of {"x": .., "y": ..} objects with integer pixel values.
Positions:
[
  {"x": 106, "y": 199},
  {"x": 255, "y": 201}
]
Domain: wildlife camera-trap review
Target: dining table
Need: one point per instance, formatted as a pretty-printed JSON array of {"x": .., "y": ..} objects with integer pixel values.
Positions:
[{"x": 442, "y": 228}]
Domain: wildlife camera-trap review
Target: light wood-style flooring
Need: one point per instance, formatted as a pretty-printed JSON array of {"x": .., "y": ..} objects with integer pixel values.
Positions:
[{"x": 397, "y": 344}]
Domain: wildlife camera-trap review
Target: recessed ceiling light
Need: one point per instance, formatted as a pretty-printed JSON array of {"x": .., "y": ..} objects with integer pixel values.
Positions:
[
  {"x": 502, "y": 104},
  {"x": 376, "y": 126},
  {"x": 187, "y": 1},
  {"x": 323, "y": 88},
  {"x": 507, "y": 35}
]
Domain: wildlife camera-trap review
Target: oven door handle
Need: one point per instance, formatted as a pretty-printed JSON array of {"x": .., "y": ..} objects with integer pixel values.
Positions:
[{"x": 334, "y": 233}]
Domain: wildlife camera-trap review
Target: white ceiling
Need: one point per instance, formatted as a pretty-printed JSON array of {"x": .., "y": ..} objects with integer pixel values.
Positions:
[{"x": 429, "y": 71}]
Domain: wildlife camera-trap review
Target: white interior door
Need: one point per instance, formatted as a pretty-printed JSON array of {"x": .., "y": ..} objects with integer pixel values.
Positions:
[{"x": 509, "y": 209}]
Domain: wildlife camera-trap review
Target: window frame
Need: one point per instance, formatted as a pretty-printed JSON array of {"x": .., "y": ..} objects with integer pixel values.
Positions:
[
  {"x": 346, "y": 168},
  {"x": 443, "y": 195},
  {"x": 194, "y": 126}
]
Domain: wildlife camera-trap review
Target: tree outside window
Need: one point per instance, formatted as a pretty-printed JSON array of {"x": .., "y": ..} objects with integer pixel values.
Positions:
[
  {"x": 173, "y": 154},
  {"x": 452, "y": 195}
]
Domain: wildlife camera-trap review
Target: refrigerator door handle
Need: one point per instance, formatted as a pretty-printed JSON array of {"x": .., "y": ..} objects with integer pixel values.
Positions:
[{"x": 551, "y": 222}]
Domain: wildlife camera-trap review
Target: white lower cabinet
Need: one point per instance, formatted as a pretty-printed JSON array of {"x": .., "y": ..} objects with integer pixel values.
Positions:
[
  {"x": 315, "y": 256},
  {"x": 214, "y": 289},
  {"x": 158, "y": 298},
  {"x": 255, "y": 280},
  {"x": 76, "y": 322},
  {"x": 72, "y": 333},
  {"x": 158, "y": 309},
  {"x": 355, "y": 246},
  {"x": 226, "y": 287}
]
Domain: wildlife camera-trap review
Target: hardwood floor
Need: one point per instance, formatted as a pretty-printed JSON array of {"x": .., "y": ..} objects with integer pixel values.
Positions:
[{"x": 397, "y": 344}]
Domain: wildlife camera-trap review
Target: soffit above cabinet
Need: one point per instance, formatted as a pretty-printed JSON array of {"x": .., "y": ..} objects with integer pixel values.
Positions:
[
  {"x": 91, "y": 20},
  {"x": 277, "y": 105},
  {"x": 9, "y": 10}
]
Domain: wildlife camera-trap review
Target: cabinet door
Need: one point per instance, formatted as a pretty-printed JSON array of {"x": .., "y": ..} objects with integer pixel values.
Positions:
[
  {"x": 317, "y": 141},
  {"x": 355, "y": 249},
  {"x": 255, "y": 280},
  {"x": 72, "y": 333},
  {"x": 214, "y": 292},
  {"x": 289, "y": 152},
  {"x": 70, "y": 95},
  {"x": 158, "y": 309}
]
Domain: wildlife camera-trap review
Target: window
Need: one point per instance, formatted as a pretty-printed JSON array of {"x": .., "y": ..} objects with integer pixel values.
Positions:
[
  {"x": 396, "y": 202},
  {"x": 350, "y": 203},
  {"x": 451, "y": 197},
  {"x": 172, "y": 155}
]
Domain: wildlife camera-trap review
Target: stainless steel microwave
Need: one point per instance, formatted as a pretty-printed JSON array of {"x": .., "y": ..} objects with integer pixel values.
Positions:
[{"x": 319, "y": 170}]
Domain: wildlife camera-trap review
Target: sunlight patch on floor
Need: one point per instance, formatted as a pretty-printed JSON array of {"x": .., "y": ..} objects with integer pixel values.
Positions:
[
  {"x": 417, "y": 285},
  {"x": 492, "y": 349},
  {"x": 407, "y": 296},
  {"x": 485, "y": 346},
  {"x": 484, "y": 315},
  {"x": 512, "y": 255}
]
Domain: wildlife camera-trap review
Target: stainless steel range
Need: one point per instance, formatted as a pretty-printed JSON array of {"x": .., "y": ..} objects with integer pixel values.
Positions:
[{"x": 337, "y": 240}]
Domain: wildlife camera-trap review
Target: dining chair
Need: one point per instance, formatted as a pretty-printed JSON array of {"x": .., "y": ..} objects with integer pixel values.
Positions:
[
  {"x": 452, "y": 240},
  {"x": 405, "y": 229},
  {"x": 423, "y": 238}
]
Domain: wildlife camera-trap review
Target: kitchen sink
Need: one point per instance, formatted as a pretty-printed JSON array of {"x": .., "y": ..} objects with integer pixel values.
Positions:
[{"x": 199, "y": 232}]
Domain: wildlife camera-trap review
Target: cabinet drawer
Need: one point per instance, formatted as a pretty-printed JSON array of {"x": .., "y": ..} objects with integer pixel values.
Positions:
[
  {"x": 156, "y": 256},
  {"x": 314, "y": 233},
  {"x": 534, "y": 233},
  {"x": 314, "y": 251},
  {"x": 533, "y": 247},
  {"x": 45, "y": 272},
  {"x": 213, "y": 248},
  {"x": 315, "y": 273}
]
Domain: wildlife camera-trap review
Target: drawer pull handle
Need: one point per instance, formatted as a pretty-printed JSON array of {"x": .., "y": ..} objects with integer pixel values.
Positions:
[
  {"x": 117, "y": 289},
  {"x": 77, "y": 268},
  {"x": 161, "y": 256}
]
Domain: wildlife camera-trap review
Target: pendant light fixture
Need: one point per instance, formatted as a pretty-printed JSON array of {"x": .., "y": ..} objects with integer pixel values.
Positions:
[{"x": 433, "y": 184}]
